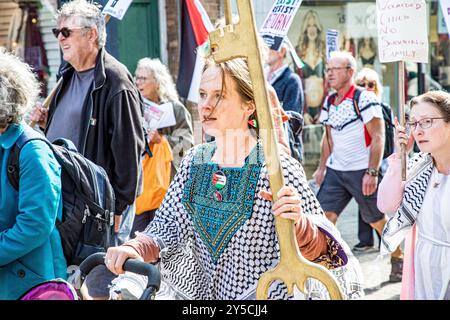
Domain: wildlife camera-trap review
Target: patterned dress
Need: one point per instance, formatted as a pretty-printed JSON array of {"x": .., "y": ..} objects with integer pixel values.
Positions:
[{"x": 218, "y": 249}]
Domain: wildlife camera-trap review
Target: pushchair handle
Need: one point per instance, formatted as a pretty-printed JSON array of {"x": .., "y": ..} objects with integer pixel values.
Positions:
[{"x": 131, "y": 265}]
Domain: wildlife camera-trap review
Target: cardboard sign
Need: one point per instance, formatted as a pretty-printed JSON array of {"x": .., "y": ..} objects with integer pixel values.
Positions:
[
  {"x": 117, "y": 8},
  {"x": 277, "y": 23},
  {"x": 444, "y": 15},
  {"x": 332, "y": 41},
  {"x": 402, "y": 30}
]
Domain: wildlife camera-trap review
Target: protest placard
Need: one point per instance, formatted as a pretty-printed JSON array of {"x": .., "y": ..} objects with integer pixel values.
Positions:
[
  {"x": 277, "y": 23},
  {"x": 445, "y": 13},
  {"x": 332, "y": 41},
  {"x": 402, "y": 30},
  {"x": 117, "y": 8}
]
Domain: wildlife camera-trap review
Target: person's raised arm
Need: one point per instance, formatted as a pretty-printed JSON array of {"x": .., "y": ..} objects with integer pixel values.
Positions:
[
  {"x": 375, "y": 128},
  {"x": 325, "y": 146}
]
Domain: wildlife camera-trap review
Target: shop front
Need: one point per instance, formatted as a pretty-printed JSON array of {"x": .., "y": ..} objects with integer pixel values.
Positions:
[{"x": 356, "y": 24}]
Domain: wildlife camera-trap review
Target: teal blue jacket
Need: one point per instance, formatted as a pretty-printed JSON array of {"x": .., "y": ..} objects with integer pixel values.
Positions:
[{"x": 30, "y": 245}]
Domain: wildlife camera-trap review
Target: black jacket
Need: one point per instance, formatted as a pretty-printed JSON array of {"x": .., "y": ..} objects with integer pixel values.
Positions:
[
  {"x": 111, "y": 130},
  {"x": 289, "y": 90}
]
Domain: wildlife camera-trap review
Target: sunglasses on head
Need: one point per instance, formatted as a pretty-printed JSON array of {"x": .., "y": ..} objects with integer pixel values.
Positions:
[
  {"x": 66, "y": 32},
  {"x": 369, "y": 84}
]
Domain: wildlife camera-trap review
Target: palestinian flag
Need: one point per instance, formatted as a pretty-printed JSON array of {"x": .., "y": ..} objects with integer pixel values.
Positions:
[{"x": 195, "y": 26}]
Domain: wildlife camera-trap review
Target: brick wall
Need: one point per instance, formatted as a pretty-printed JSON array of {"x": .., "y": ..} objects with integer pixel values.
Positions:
[{"x": 212, "y": 7}]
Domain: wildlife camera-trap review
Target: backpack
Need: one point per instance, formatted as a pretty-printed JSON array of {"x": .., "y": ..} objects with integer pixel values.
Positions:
[
  {"x": 294, "y": 130},
  {"x": 387, "y": 116},
  {"x": 87, "y": 223}
]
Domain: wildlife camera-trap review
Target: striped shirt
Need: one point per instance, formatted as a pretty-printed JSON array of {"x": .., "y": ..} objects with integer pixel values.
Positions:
[{"x": 351, "y": 149}]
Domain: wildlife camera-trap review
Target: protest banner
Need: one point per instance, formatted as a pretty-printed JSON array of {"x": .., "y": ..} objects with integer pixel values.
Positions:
[
  {"x": 445, "y": 12},
  {"x": 277, "y": 23},
  {"x": 402, "y": 36},
  {"x": 117, "y": 8},
  {"x": 332, "y": 41},
  {"x": 402, "y": 30}
]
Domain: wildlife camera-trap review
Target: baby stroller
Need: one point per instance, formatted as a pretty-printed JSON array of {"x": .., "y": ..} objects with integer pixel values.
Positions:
[
  {"x": 57, "y": 289},
  {"x": 134, "y": 266}
]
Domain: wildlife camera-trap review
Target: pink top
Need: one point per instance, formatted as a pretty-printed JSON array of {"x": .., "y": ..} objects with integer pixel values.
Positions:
[
  {"x": 390, "y": 195},
  {"x": 391, "y": 188}
]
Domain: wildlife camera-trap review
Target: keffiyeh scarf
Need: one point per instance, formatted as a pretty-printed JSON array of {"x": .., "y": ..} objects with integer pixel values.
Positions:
[{"x": 420, "y": 168}]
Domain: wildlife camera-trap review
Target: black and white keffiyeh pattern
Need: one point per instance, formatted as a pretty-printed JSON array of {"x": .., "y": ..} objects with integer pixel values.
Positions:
[
  {"x": 188, "y": 271},
  {"x": 420, "y": 168}
]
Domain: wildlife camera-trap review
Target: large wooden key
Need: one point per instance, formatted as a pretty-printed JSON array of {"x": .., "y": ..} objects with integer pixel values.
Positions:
[{"x": 240, "y": 40}]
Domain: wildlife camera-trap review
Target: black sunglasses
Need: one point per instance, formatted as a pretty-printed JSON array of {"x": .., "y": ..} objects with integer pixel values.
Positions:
[
  {"x": 370, "y": 84},
  {"x": 66, "y": 32}
]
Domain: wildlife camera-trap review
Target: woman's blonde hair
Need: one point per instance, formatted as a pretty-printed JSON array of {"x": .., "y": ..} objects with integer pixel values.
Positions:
[
  {"x": 154, "y": 68},
  {"x": 304, "y": 40},
  {"x": 367, "y": 74},
  {"x": 19, "y": 89}
]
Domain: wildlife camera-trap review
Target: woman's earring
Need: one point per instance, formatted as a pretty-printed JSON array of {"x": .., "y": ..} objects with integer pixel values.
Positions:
[{"x": 253, "y": 123}]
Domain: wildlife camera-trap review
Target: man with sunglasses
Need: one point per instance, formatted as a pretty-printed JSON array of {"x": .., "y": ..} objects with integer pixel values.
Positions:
[
  {"x": 352, "y": 146},
  {"x": 96, "y": 105}
]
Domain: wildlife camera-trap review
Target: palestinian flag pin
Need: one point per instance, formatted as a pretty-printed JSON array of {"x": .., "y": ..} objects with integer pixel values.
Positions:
[
  {"x": 219, "y": 180},
  {"x": 253, "y": 123},
  {"x": 218, "y": 196}
]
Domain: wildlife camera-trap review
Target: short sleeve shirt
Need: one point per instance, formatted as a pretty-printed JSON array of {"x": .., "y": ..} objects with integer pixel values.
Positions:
[{"x": 351, "y": 149}]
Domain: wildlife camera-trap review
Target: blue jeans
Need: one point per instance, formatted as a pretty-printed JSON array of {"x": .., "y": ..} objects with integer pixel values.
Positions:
[{"x": 125, "y": 225}]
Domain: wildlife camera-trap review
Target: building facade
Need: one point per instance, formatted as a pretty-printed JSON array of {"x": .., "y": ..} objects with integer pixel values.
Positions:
[{"x": 151, "y": 28}]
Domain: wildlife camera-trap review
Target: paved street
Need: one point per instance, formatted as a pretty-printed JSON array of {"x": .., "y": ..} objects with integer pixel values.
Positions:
[{"x": 376, "y": 269}]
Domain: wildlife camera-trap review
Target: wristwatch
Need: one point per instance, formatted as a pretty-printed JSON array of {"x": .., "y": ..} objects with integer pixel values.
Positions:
[{"x": 372, "y": 172}]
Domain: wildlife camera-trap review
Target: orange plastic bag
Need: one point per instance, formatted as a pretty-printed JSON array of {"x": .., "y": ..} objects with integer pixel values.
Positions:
[{"x": 156, "y": 176}]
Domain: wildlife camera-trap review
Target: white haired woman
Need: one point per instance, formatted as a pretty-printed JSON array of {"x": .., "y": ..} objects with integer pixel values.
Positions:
[
  {"x": 167, "y": 144},
  {"x": 30, "y": 245},
  {"x": 155, "y": 84}
]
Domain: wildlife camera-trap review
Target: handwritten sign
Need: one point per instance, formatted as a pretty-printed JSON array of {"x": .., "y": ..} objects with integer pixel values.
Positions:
[
  {"x": 402, "y": 30},
  {"x": 444, "y": 14},
  {"x": 332, "y": 41},
  {"x": 277, "y": 23},
  {"x": 117, "y": 8}
]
